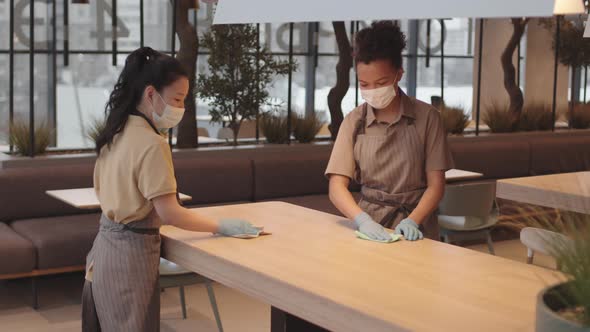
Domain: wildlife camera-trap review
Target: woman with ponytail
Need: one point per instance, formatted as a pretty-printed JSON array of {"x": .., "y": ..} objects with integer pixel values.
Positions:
[{"x": 135, "y": 183}]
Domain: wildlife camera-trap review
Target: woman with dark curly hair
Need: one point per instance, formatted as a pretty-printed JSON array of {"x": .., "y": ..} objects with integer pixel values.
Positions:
[
  {"x": 134, "y": 181},
  {"x": 393, "y": 145}
]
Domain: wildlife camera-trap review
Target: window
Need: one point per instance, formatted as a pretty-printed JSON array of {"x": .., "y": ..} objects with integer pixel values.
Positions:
[{"x": 83, "y": 89}]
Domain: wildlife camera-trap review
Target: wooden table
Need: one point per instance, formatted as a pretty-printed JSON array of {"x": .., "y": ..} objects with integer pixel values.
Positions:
[
  {"x": 567, "y": 191},
  {"x": 85, "y": 198},
  {"x": 459, "y": 175},
  {"x": 313, "y": 267}
]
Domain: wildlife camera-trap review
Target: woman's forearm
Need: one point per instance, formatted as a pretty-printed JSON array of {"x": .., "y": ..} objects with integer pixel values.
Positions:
[
  {"x": 171, "y": 213},
  {"x": 431, "y": 198},
  {"x": 427, "y": 205},
  {"x": 343, "y": 200},
  {"x": 192, "y": 221}
]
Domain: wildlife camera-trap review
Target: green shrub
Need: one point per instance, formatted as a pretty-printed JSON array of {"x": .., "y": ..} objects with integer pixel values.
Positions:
[
  {"x": 499, "y": 119},
  {"x": 306, "y": 128},
  {"x": 96, "y": 127},
  {"x": 20, "y": 138},
  {"x": 454, "y": 119},
  {"x": 581, "y": 116},
  {"x": 536, "y": 117},
  {"x": 572, "y": 254},
  {"x": 275, "y": 128}
]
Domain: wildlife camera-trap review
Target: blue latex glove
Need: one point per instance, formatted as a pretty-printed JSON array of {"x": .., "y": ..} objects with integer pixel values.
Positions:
[
  {"x": 409, "y": 229},
  {"x": 237, "y": 227},
  {"x": 366, "y": 225}
]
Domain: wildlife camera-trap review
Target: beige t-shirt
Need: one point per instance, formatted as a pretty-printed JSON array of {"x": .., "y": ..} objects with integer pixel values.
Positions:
[
  {"x": 429, "y": 125},
  {"x": 134, "y": 170}
]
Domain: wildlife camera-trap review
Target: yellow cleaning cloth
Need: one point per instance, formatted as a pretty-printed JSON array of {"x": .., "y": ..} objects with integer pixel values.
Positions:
[{"x": 394, "y": 237}]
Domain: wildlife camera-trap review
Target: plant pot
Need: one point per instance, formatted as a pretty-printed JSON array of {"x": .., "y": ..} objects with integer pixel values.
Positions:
[{"x": 549, "y": 301}]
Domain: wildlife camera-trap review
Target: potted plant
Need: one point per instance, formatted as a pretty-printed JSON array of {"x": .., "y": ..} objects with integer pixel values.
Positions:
[
  {"x": 307, "y": 127},
  {"x": 97, "y": 125},
  {"x": 274, "y": 127},
  {"x": 563, "y": 307},
  {"x": 500, "y": 119},
  {"x": 240, "y": 72},
  {"x": 536, "y": 117},
  {"x": 20, "y": 138},
  {"x": 454, "y": 119},
  {"x": 566, "y": 306}
]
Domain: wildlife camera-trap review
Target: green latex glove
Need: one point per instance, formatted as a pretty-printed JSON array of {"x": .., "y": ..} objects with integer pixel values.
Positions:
[
  {"x": 238, "y": 228},
  {"x": 409, "y": 229},
  {"x": 393, "y": 238}
]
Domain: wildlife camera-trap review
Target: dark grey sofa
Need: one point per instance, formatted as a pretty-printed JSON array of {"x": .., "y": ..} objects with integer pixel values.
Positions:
[{"x": 41, "y": 235}]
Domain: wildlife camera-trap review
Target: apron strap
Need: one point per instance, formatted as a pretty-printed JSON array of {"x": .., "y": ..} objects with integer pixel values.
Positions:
[
  {"x": 142, "y": 231},
  {"x": 359, "y": 129}
]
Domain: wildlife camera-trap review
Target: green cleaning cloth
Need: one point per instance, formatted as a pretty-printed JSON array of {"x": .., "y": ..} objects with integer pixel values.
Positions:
[{"x": 394, "y": 237}]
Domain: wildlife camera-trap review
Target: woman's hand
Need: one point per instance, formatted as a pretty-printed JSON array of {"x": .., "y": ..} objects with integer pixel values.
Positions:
[
  {"x": 409, "y": 229},
  {"x": 370, "y": 228},
  {"x": 237, "y": 227}
]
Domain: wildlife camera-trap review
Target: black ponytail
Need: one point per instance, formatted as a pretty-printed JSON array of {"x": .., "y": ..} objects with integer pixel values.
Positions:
[{"x": 143, "y": 67}]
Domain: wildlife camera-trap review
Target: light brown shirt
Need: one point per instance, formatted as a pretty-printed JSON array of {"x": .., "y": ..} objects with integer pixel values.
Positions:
[
  {"x": 134, "y": 170},
  {"x": 428, "y": 123}
]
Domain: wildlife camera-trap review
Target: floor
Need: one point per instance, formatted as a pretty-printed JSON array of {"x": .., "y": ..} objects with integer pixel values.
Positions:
[{"x": 60, "y": 303}]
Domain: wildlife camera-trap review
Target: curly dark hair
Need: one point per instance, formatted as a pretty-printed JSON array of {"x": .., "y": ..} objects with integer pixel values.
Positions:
[{"x": 383, "y": 40}]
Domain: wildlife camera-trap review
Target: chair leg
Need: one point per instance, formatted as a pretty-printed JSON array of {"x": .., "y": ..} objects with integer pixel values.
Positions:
[
  {"x": 530, "y": 254},
  {"x": 214, "y": 304},
  {"x": 446, "y": 238},
  {"x": 490, "y": 243},
  {"x": 182, "y": 302},
  {"x": 34, "y": 293}
]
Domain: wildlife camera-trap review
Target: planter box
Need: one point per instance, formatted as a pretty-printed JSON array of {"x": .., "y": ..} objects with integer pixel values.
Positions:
[
  {"x": 240, "y": 151},
  {"x": 548, "y": 303}
]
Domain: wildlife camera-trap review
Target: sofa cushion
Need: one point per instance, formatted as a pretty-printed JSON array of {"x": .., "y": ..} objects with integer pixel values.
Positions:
[
  {"x": 60, "y": 241},
  {"x": 17, "y": 254},
  {"x": 22, "y": 191},
  {"x": 560, "y": 155},
  {"x": 494, "y": 159},
  {"x": 214, "y": 180},
  {"x": 290, "y": 175},
  {"x": 315, "y": 202}
]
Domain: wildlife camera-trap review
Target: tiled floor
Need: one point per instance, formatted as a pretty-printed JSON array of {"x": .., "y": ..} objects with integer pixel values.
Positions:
[{"x": 60, "y": 303}]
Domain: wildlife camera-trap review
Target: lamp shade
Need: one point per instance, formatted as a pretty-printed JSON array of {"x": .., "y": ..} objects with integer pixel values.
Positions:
[
  {"x": 276, "y": 11},
  {"x": 280, "y": 11},
  {"x": 567, "y": 7}
]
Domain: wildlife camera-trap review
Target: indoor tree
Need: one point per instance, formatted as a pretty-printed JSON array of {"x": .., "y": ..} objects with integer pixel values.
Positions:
[
  {"x": 337, "y": 93},
  {"x": 187, "y": 55},
  {"x": 574, "y": 49},
  {"x": 514, "y": 92},
  {"x": 240, "y": 72}
]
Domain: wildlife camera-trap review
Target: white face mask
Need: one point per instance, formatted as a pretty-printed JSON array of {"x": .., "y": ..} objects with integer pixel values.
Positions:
[
  {"x": 381, "y": 97},
  {"x": 170, "y": 117}
]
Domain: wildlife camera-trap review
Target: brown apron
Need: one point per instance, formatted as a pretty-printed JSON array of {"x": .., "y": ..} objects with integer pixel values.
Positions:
[
  {"x": 121, "y": 292},
  {"x": 391, "y": 171}
]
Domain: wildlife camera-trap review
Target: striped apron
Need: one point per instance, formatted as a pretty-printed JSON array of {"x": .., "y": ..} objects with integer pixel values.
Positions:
[
  {"x": 121, "y": 292},
  {"x": 391, "y": 171}
]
